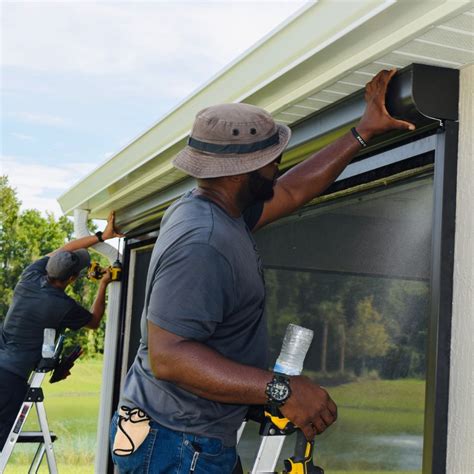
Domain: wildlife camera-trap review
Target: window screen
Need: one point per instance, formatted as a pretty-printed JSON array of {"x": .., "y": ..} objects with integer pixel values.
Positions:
[{"x": 357, "y": 272}]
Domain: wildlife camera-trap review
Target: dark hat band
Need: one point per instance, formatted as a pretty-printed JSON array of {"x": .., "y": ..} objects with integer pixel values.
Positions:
[{"x": 234, "y": 148}]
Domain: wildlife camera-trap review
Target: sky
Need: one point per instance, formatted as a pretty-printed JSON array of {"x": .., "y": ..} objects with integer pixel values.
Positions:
[{"x": 80, "y": 80}]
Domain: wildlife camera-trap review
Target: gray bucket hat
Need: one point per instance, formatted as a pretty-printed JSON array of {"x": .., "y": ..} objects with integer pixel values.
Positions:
[
  {"x": 230, "y": 139},
  {"x": 65, "y": 264}
]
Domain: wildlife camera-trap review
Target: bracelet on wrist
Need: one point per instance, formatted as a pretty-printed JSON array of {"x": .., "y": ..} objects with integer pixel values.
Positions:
[
  {"x": 99, "y": 236},
  {"x": 358, "y": 137}
]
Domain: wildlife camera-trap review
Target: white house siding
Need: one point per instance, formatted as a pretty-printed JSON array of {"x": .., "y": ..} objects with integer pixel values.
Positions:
[{"x": 460, "y": 458}]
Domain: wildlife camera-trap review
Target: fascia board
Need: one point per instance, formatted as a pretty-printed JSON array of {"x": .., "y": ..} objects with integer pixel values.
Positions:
[{"x": 287, "y": 65}]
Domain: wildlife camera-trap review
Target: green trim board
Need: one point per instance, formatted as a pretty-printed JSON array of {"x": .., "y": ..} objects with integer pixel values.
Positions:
[
  {"x": 143, "y": 214},
  {"x": 150, "y": 221}
]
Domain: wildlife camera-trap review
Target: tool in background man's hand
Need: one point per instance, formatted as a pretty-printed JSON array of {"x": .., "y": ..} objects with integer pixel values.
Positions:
[
  {"x": 63, "y": 369},
  {"x": 95, "y": 271}
]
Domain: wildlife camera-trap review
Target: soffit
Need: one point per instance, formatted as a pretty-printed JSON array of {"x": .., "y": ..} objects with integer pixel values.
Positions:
[
  {"x": 329, "y": 54},
  {"x": 448, "y": 44}
]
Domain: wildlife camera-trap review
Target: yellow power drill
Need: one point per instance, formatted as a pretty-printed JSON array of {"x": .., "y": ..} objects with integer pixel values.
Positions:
[
  {"x": 95, "y": 272},
  {"x": 274, "y": 424}
]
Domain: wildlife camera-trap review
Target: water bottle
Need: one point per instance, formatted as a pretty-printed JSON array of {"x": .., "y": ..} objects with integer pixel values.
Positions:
[
  {"x": 49, "y": 336},
  {"x": 293, "y": 350}
]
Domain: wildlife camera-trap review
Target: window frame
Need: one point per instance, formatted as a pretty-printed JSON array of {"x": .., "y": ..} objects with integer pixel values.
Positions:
[{"x": 443, "y": 141}]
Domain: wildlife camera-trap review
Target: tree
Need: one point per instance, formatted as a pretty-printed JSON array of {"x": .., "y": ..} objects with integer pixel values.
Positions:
[
  {"x": 281, "y": 309},
  {"x": 330, "y": 313},
  {"x": 367, "y": 334},
  {"x": 10, "y": 207},
  {"x": 26, "y": 236},
  {"x": 341, "y": 329}
]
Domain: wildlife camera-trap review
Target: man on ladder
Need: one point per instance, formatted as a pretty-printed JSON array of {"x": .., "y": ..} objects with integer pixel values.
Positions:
[
  {"x": 202, "y": 358},
  {"x": 35, "y": 397},
  {"x": 39, "y": 302}
]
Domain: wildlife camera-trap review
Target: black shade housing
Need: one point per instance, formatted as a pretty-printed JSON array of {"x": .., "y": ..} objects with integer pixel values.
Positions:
[
  {"x": 420, "y": 94},
  {"x": 424, "y": 91}
]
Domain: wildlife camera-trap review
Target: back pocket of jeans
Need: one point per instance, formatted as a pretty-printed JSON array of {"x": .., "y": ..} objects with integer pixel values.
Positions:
[{"x": 140, "y": 458}]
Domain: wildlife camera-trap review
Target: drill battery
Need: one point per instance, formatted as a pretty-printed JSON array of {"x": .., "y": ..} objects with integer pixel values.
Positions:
[{"x": 95, "y": 272}]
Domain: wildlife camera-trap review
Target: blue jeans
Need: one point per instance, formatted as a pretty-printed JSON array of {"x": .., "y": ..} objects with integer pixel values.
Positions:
[{"x": 165, "y": 451}]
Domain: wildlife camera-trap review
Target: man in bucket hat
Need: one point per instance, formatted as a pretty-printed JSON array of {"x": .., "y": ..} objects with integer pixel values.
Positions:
[
  {"x": 39, "y": 302},
  {"x": 202, "y": 359}
]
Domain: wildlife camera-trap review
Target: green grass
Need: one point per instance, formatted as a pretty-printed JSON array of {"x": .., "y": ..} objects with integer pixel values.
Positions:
[
  {"x": 369, "y": 472},
  {"x": 404, "y": 394},
  {"x": 72, "y": 408},
  {"x": 381, "y": 406},
  {"x": 62, "y": 468},
  {"x": 367, "y": 409}
]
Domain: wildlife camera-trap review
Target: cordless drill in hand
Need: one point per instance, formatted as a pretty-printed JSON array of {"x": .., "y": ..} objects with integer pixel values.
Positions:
[{"x": 95, "y": 271}]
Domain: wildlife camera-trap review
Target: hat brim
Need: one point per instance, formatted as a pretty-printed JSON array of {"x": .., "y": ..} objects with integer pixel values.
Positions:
[{"x": 199, "y": 164}]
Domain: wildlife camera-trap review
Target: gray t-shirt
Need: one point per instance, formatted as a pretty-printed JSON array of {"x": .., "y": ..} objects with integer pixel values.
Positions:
[
  {"x": 36, "y": 305},
  {"x": 205, "y": 283}
]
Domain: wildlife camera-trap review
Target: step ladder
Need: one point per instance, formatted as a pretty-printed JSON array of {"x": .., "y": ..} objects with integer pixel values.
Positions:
[
  {"x": 274, "y": 427},
  {"x": 45, "y": 438},
  {"x": 274, "y": 430}
]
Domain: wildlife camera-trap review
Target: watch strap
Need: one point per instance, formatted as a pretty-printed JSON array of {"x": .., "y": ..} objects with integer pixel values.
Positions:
[{"x": 99, "y": 236}]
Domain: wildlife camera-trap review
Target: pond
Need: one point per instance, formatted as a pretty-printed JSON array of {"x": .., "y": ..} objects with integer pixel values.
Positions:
[{"x": 346, "y": 452}]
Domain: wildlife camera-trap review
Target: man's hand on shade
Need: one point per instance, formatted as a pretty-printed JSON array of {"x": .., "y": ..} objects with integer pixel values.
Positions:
[
  {"x": 376, "y": 119},
  {"x": 110, "y": 231}
]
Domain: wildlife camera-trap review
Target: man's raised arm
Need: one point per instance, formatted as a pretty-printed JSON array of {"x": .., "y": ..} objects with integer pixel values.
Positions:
[
  {"x": 85, "y": 242},
  {"x": 311, "y": 177}
]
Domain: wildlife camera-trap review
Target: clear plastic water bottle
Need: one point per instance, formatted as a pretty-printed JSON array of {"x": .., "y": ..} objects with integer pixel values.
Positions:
[
  {"x": 293, "y": 350},
  {"x": 49, "y": 336}
]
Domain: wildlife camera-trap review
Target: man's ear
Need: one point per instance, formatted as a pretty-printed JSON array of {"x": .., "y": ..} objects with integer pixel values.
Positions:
[{"x": 71, "y": 279}]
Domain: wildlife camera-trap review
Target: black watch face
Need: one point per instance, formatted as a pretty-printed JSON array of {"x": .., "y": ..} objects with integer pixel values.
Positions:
[{"x": 279, "y": 391}]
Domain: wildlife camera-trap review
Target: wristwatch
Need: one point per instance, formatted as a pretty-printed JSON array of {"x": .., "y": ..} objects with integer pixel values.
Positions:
[
  {"x": 278, "y": 389},
  {"x": 99, "y": 236}
]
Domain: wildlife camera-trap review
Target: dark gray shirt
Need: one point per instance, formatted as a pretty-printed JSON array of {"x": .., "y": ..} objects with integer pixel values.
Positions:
[
  {"x": 36, "y": 305},
  {"x": 205, "y": 283}
]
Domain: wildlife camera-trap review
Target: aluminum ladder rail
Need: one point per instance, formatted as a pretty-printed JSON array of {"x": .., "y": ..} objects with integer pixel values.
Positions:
[{"x": 45, "y": 437}]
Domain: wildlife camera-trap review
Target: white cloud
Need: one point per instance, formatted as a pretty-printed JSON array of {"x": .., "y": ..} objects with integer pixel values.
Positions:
[
  {"x": 41, "y": 119},
  {"x": 135, "y": 47},
  {"x": 87, "y": 53},
  {"x": 37, "y": 185},
  {"x": 22, "y": 136}
]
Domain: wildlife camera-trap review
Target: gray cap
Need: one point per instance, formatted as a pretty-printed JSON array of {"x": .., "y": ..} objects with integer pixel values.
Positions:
[{"x": 65, "y": 264}]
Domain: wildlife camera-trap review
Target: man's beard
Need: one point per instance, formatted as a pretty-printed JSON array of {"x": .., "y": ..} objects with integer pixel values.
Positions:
[{"x": 261, "y": 189}]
